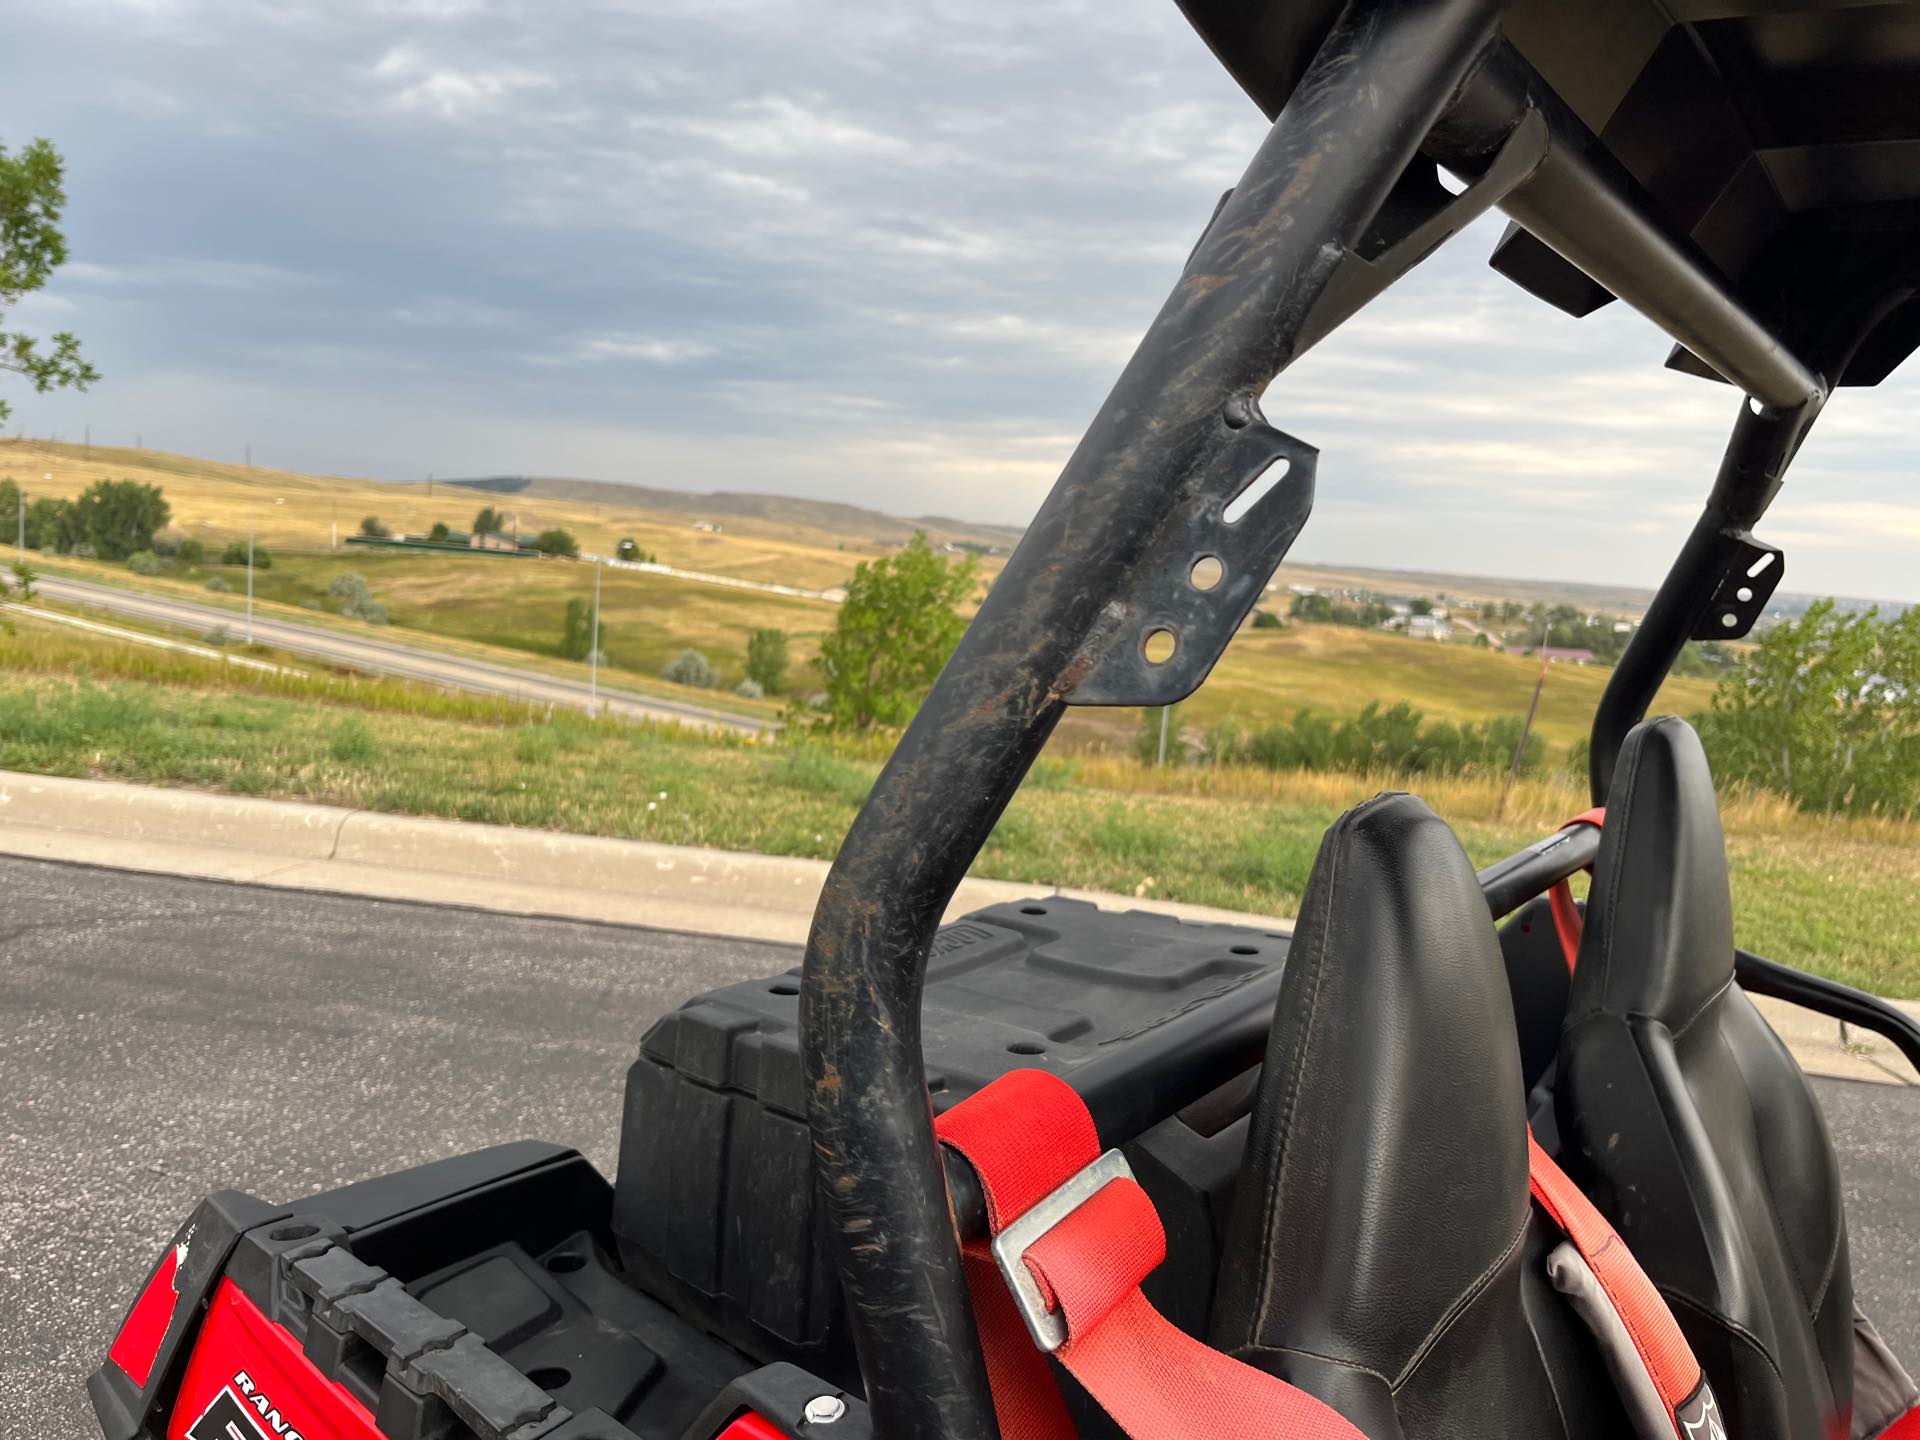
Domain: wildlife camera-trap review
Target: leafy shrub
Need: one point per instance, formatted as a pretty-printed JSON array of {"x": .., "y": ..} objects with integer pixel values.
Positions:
[
  {"x": 374, "y": 529},
  {"x": 352, "y": 740},
  {"x": 629, "y": 550},
  {"x": 165, "y": 546},
  {"x": 1267, "y": 620},
  {"x": 219, "y": 584},
  {"x": 749, "y": 689},
  {"x": 767, "y": 659},
  {"x": 190, "y": 552},
  {"x": 1394, "y": 741},
  {"x": 439, "y": 531},
  {"x": 1147, "y": 746},
  {"x": 356, "y": 598},
  {"x": 690, "y": 667},
  {"x": 557, "y": 542},
  {"x": 235, "y": 553},
  {"x": 577, "y": 640},
  {"x": 218, "y": 636},
  {"x": 145, "y": 562}
]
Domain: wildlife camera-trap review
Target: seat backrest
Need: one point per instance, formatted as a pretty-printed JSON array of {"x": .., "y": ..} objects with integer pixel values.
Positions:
[
  {"x": 1382, "y": 1253},
  {"x": 1688, "y": 1122}
]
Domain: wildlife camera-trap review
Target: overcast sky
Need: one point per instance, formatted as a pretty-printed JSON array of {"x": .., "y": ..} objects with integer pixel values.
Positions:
[{"x": 892, "y": 254}]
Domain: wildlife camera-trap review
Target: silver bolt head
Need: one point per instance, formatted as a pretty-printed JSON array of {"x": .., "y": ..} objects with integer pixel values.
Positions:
[{"x": 824, "y": 1409}]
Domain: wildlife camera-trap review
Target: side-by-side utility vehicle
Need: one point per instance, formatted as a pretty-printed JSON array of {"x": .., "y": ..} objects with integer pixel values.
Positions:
[{"x": 1452, "y": 1159}]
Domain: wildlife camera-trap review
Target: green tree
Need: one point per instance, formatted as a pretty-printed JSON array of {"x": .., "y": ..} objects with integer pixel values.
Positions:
[
  {"x": 32, "y": 196},
  {"x": 1420, "y": 605},
  {"x": 577, "y": 640},
  {"x": 439, "y": 531},
  {"x": 373, "y": 528},
  {"x": 12, "y": 502},
  {"x": 489, "y": 522},
  {"x": 24, "y": 575},
  {"x": 118, "y": 517},
  {"x": 627, "y": 550},
  {"x": 557, "y": 542},
  {"x": 1267, "y": 620},
  {"x": 767, "y": 660},
  {"x": 190, "y": 553},
  {"x": 893, "y": 633},
  {"x": 1826, "y": 710},
  {"x": 50, "y": 525}
]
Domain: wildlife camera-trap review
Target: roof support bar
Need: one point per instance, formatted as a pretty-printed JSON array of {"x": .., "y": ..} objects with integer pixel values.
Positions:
[
  {"x": 1583, "y": 203},
  {"x": 1107, "y": 561}
]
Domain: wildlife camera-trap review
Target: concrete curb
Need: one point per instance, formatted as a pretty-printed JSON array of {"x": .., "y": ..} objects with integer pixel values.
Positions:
[
  {"x": 542, "y": 872},
  {"x": 493, "y": 867}
]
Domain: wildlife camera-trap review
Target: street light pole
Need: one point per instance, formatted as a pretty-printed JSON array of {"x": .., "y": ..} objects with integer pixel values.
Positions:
[{"x": 593, "y": 649}]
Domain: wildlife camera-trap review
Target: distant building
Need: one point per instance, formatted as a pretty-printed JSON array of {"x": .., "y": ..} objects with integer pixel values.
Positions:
[
  {"x": 706, "y": 525},
  {"x": 493, "y": 542},
  {"x": 1623, "y": 627},
  {"x": 1428, "y": 627}
]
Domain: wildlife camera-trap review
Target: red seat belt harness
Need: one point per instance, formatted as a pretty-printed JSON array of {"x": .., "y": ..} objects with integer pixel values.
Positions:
[
  {"x": 1072, "y": 1235},
  {"x": 1660, "y": 1363},
  {"x": 1567, "y": 920}
]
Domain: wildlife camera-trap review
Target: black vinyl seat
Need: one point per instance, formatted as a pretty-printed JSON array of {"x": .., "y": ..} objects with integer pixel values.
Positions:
[
  {"x": 1687, "y": 1121},
  {"x": 1382, "y": 1253}
]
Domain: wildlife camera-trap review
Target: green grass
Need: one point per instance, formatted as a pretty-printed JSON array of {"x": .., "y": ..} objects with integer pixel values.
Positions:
[{"x": 1834, "y": 898}]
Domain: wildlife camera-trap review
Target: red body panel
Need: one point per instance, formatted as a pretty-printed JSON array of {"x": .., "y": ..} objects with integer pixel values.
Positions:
[
  {"x": 249, "y": 1380},
  {"x": 147, "y": 1323},
  {"x": 750, "y": 1427}
]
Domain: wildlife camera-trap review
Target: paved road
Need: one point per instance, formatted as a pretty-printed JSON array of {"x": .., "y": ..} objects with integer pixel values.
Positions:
[
  {"x": 160, "y": 1038},
  {"x": 386, "y": 657}
]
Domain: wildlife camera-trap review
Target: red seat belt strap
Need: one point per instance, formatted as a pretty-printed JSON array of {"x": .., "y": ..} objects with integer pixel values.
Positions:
[
  {"x": 1656, "y": 1337},
  {"x": 1567, "y": 922},
  {"x": 1076, "y": 1236}
]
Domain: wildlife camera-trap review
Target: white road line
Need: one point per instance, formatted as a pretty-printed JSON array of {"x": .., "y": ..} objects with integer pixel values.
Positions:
[{"x": 154, "y": 640}]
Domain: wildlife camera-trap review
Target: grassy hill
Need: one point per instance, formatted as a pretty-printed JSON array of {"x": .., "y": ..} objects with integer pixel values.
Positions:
[
  {"x": 734, "y": 508},
  {"x": 517, "y": 606}
]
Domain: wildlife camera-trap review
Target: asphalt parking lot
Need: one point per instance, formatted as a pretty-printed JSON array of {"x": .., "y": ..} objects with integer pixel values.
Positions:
[{"x": 160, "y": 1038}]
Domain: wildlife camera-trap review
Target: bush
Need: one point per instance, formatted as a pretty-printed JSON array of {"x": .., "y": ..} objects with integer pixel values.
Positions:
[
  {"x": 439, "y": 531},
  {"x": 235, "y": 553},
  {"x": 373, "y": 528},
  {"x": 749, "y": 689},
  {"x": 262, "y": 560},
  {"x": 628, "y": 550},
  {"x": 219, "y": 584},
  {"x": 557, "y": 542},
  {"x": 190, "y": 552},
  {"x": 577, "y": 641},
  {"x": 1147, "y": 747},
  {"x": 1267, "y": 620},
  {"x": 1393, "y": 741},
  {"x": 767, "y": 660},
  {"x": 356, "y": 598},
  {"x": 218, "y": 636},
  {"x": 691, "y": 668},
  {"x": 352, "y": 740},
  {"x": 145, "y": 562},
  {"x": 165, "y": 546}
]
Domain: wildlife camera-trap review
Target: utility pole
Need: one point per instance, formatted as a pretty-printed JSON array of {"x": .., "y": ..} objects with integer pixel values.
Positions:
[
  {"x": 593, "y": 649},
  {"x": 87, "y": 445},
  {"x": 249, "y": 457},
  {"x": 249, "y": 575}
]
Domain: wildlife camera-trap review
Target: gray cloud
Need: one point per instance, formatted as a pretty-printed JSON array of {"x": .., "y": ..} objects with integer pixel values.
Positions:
[{"x": 873, "y": 251}]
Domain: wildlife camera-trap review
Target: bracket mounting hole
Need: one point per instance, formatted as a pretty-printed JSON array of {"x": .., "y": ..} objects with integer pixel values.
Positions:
[
  {"x": 1207, "y": 572},
  {"x": 1256, "y": 491},
  {"x": 1159, "y": 645},
  {"x": 1730, "y": 621},
  {"x": 1744, "y": 593},
  {"x": 1759, "y": 566}
]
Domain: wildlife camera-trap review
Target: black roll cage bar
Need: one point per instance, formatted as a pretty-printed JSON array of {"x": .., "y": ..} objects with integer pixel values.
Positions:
[{"x": 1340, "y": 200}]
